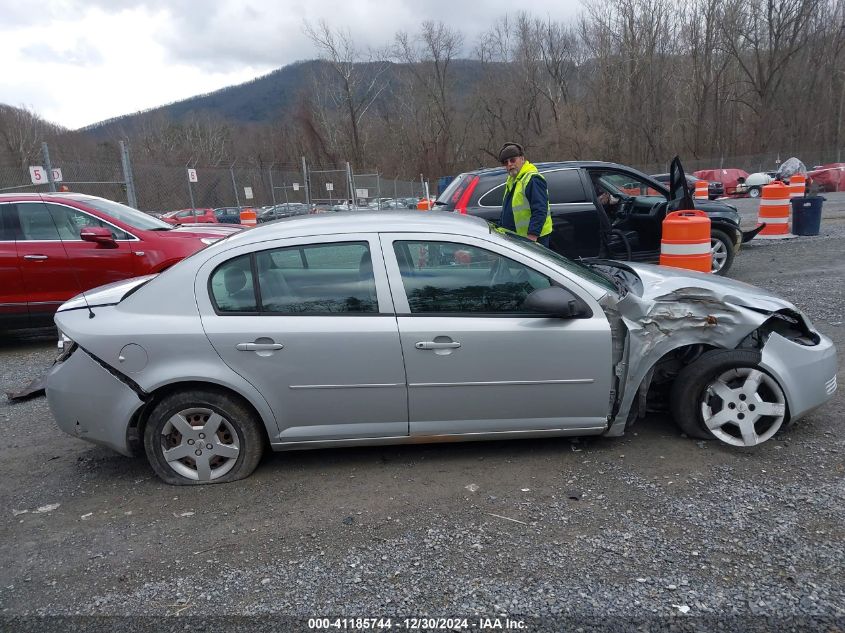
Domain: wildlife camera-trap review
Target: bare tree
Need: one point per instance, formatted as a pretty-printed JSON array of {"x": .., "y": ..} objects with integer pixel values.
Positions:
[{"x": 359, "y": 80}]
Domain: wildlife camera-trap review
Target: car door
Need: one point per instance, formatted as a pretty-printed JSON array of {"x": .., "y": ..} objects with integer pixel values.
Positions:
[
  {"x": 43, "y": 262},
  {"x": 316, "y": 334},
  {"x": 13, "y": 295},
  {"x": 476, "y": 362},
  {"x": 94, "y": 264}
]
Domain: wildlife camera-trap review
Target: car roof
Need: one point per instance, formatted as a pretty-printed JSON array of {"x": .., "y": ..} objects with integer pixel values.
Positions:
[
  {"x": 365, "y": 222},
  {"x": 53, "y": 197},
  {"x": 571, "y": 164}
]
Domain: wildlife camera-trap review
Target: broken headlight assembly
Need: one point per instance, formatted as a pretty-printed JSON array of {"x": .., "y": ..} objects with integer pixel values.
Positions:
[{"x": 66, "y": 347}]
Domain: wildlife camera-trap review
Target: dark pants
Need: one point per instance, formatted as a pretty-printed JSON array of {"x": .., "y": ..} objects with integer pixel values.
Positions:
[{"x": 545, "y": 240}]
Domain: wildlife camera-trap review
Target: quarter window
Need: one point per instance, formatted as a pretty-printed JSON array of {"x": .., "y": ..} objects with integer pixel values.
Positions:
[{"x": 445, "y": 277}]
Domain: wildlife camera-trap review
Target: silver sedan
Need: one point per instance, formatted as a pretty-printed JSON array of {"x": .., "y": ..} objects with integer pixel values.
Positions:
[{"x": 388, "y": 328}]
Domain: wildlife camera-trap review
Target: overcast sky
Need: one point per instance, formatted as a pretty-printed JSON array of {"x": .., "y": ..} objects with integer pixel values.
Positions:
[{"x": 77, "y": 62}]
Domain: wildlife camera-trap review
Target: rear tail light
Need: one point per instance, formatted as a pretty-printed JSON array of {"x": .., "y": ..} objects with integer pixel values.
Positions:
[{"x": 463, "y": 201}]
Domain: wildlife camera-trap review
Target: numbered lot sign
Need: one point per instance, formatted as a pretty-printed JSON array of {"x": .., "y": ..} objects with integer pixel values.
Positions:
[
  {"x": 329, "y": 186},
  {"x": 192, "y": 175}
]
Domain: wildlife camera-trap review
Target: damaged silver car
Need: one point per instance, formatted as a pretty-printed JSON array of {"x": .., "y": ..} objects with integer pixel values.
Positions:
[{"x": 389, "y": 328}]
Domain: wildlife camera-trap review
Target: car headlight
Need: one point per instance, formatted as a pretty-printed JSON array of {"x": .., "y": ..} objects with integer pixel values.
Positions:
[{"x": 209, "y": 240}]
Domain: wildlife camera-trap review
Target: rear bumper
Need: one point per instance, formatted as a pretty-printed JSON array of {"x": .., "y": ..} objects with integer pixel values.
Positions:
[{"x": 90, "y": 403}]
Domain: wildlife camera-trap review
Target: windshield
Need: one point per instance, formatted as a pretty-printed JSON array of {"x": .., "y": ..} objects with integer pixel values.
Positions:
[
  {"x": 581, "y": 270},
  {"x": 134, "y": 218}
]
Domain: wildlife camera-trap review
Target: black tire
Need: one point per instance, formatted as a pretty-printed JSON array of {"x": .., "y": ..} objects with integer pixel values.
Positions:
[
  {"x": 728, "y": 248},
  {"x": 690, "y": 388},
  {"x": 238, "y": 433}
]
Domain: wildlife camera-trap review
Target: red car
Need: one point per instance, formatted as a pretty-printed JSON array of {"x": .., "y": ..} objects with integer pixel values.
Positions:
[
  {"x": 54, "y": 246},
  {"x": 191, "y": 216}
]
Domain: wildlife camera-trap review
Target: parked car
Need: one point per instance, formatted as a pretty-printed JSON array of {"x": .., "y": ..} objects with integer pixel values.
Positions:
[
  {"x": 283, "y": 210},
  {"x": 461, "y": 332},
  {"x": 583, "y": 227},
  {"x": 715, "y": 189},
  {"x": 190, "y": 216},
  {"x": 54, "y": 246},
  {"x": 228, "y": 215},
  {"x": 732, "y": 179}
]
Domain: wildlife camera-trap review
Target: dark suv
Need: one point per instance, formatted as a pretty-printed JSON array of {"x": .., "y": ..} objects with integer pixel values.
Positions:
[{"x": 627, "y": 226}]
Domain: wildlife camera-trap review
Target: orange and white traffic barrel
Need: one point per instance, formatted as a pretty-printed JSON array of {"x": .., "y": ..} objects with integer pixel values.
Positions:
[
  {"x": 774, "y": 210},
  {"x": 686, "y": 241},
  {"x": 797, "y": 185},
  {"x": 249, "y": 217},
  {"x": 424, "y": 204},
  {"x": 701, "y": 192}
]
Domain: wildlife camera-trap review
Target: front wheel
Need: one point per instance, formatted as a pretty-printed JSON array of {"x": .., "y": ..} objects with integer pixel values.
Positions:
[
  {"x": 722, "y": 252},
  {"x": 724, "y": 395},
  {"x": 200, "y": 437}
]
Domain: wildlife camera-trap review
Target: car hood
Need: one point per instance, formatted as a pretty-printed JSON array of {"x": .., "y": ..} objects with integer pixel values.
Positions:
[
  {"x": 660, "y": 281},
  {"x": 110, "y": 294}
]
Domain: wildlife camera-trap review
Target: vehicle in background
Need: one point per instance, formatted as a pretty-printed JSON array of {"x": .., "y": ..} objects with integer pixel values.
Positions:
[
  {"x": 460, "y": 332},
  {"x": 54, "y": 246},
  {"x": 228, "y": 215},
  {"x": 732, "y": 179},
  {"x": 629, "y": 227},
  {"x": 715, "y": 189},
  {"x": 283, "y": 210},
  {"x": 755, "y": 182},
  {"x": 825, "y": 178},
  {"x": 190, "y": 216}
]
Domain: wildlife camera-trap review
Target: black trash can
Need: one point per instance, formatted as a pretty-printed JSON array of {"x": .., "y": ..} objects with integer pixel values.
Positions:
[{"x": 807, "y": 215}]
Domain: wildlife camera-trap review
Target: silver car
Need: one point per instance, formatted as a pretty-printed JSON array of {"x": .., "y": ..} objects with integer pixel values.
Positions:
[{"x": 400, "y": 327}]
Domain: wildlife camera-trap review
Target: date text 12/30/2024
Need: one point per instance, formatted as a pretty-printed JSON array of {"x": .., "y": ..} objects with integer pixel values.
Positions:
[{"x": 417, "y": 624}]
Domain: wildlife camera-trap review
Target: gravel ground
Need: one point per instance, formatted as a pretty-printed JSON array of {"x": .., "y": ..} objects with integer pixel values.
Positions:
[{"x": 650, "y": 531}]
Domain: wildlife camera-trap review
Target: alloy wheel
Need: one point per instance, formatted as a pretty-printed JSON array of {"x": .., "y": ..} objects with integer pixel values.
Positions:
[
  {"x": 200, "y": 444},
  {"x": 743, "y": 407},
  {"x": 718, "y": 254}
]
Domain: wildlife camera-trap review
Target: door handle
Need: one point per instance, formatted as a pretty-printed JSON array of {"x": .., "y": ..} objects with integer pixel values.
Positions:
[
  {"x": 36, "y": 257},
  {"x": 258, "y": 347},
  {"x": 435, "y": 345}
]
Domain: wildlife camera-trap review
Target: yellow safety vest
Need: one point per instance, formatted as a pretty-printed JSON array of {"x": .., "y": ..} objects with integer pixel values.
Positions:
[{"x": 519, "y": 203}]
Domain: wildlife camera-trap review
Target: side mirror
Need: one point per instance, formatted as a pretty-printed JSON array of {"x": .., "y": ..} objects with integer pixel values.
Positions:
[
  {"x": 557, "y": 302},
  {"x": 98, "y": 235}
]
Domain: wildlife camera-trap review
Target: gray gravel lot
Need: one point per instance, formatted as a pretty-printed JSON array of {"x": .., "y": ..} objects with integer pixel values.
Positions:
[{"x": 653, "y": 527}]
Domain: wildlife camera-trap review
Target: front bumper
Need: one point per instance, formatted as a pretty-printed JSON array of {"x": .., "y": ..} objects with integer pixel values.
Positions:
[
  {"x": 90, "y": 403},
  {"x": 806, "y": 374},
  {"x": 747, "y": 236}
]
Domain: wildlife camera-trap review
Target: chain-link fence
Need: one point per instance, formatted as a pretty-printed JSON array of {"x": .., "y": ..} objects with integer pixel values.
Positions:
[{"x": 160, "y": 188}]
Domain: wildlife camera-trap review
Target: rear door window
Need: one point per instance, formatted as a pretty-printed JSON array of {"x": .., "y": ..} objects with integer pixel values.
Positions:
[{"x": 565, "y": 186}]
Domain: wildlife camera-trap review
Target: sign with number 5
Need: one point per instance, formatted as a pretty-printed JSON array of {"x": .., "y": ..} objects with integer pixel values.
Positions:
[{"x": 38, "y": 175}]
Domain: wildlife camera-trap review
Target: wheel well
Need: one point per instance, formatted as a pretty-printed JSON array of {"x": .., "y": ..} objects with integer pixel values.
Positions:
[
  {"x": 658, "y": 381},
  {"x": 135, "y": 432}
]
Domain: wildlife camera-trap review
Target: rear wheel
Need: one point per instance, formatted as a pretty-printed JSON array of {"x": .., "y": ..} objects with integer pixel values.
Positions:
[
  {"x": 724, "y": 395},
  {"x": 754, "y": 192},
  {"x": 722, "y": 252},
  {"x": 200, "y": 437}
]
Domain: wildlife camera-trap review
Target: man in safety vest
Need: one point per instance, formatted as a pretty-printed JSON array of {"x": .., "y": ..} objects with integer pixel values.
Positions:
[{"x": 525, "y": 208}]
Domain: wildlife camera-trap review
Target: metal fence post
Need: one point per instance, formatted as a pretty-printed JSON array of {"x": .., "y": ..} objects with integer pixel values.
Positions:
[
  {"x": 272, "y": 189},
  {"x": 350, "y": 185},
  {"x": 45, "y": 152},
  {"x": 128, "y": 179},
  {"x": 306, "y": 183},
  {"x": 234, "y": 185},
  {"x": 190, "y": 188}
]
